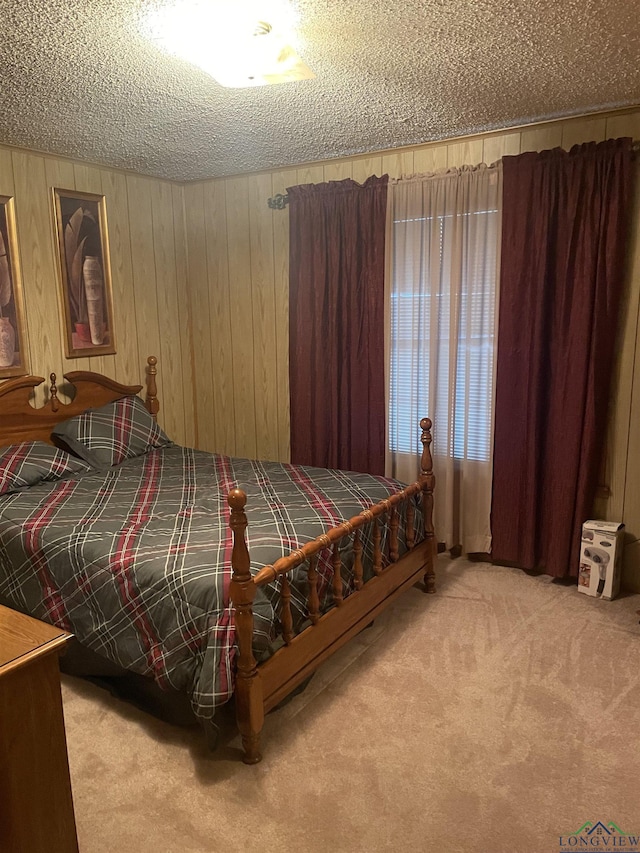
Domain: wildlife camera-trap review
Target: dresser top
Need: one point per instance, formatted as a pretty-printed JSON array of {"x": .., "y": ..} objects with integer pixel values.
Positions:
[{"x": 22, "y": 638}]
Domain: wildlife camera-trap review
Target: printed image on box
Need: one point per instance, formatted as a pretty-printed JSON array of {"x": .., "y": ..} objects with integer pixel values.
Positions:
[{"x": 600, "y": 558}]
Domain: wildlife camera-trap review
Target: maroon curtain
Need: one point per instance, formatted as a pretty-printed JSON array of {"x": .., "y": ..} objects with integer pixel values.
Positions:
[
  {"x": 336, "y": 324},
  {"x": 565, "y": 221}
]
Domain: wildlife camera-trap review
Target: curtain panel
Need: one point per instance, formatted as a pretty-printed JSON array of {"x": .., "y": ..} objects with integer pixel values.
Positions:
[
  {"x": 565, "y": 224},
  {"x": 442, "y": 274},
  {"x": 336, "y": 325}
]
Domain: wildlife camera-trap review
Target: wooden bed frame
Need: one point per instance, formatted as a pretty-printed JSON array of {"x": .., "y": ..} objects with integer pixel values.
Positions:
[{"x": 259, "y": 688}]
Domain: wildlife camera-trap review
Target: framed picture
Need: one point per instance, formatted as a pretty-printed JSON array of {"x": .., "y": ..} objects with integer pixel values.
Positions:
[
  {"x": 85, "y": 273},
  {"x": 13, "y": 353}
]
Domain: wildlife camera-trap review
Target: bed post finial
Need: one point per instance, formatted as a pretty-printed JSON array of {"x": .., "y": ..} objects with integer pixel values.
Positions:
[
  {"x": 151, "y": 400},
  {"x": 53, "y": 392},
  {"x": 249, "y": 701},
  {"x": 428, "y": 485},
  {"x": 426, "y": 462}
]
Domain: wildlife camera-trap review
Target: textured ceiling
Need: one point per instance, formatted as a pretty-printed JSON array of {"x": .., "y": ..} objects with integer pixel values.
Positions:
[{"x": 79, "y": 79}]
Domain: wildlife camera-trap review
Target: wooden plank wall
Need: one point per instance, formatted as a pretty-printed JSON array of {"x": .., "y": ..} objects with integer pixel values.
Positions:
[
  {"x": 200, "y": 279},
  {"x": 238, "y": 278},
  {"x": 148, "y": 264}
]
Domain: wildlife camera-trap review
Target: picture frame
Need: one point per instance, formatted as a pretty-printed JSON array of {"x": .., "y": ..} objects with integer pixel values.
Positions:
[
  {"x": 84, "y": 269},
  {"x": 13, "y": 341}
]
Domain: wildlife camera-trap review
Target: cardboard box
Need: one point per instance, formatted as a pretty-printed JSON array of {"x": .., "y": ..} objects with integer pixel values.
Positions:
[{"x": 601, "y": 558}]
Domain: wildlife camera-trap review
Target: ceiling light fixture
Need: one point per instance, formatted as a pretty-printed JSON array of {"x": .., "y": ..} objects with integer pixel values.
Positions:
[{"x": 250, "y": 43}]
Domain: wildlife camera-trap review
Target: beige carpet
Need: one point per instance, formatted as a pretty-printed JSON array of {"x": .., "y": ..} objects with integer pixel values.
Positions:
[{"x": 496, "y": 716}]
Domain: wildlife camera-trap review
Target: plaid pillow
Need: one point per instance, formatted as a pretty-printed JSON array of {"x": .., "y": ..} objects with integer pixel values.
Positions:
[
  {"x": 107, "y": 436},
  {"x": 33, "y": 462}
]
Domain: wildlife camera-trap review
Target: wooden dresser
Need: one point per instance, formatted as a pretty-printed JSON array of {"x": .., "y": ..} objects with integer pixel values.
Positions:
[{"x": 36, "y": 807}]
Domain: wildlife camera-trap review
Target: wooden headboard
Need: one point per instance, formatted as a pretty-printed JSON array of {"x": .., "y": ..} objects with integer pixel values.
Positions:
[{"x": 20, "y": 421}]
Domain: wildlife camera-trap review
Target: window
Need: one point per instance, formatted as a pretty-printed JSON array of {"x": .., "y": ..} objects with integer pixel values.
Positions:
[{"x": 442, "y": 331}]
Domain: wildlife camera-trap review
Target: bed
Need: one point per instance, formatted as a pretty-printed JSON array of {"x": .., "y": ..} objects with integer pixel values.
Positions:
[{"x": 140, "y": 547}]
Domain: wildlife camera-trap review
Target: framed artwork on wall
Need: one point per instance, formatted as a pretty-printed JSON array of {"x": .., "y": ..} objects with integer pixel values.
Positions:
[
  {"x": 84, "y": 273},
  {"x": 13, "y": 351}
]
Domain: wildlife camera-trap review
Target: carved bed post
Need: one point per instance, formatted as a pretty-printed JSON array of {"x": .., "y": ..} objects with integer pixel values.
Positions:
[
  {"x": 151, "y": 399},
  {"x": 53, "y": 393},
  {"x": 428, "y": 485},
  {"x": 248, "y": 693}
]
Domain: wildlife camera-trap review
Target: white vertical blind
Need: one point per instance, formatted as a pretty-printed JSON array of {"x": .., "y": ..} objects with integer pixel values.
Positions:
[{"x": 443, "y": 273}]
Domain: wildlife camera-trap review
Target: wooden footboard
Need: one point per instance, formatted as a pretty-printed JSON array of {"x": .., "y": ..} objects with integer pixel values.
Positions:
[{"x": 260, "y": 687}]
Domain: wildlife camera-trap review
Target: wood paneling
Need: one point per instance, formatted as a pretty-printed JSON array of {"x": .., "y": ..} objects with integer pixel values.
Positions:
[
  {"x": 500, "y": 145},
  {"x": 307, "y": 175},
  {"x": 145, "y": 220},
  {"x": 430, "y": 159},
  {"x": 6, "y": 172},
  {"x": 541, "y": 137},
  {"x": 363, "y": 167},
  {"x": 200, "y": 279},
  {"x": 190, "y": 437},
  {"x": 264, "y": 317},
  {"x": 215, "y": 218},
  {"x": 143, "y": 263},
  {"x": 280, "y": 224},
  {"x": 338, "y": 171},
  {"x": 578, "y": 130},
  {"x": 170, "y": 346},
  {"x": 245, "y": 388},
  {"x": 627, "y": 124},
  {"x": 254, "y": 239},
  {"x": 468, "y": 152},
  {"x": 39, "y": 269},
  {"x": 202, "y": 334},
  {"x": 398, "y": 164}
]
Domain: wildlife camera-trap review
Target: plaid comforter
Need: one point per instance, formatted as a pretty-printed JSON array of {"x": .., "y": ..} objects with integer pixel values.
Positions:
[{"x": 136, "y": 560}]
